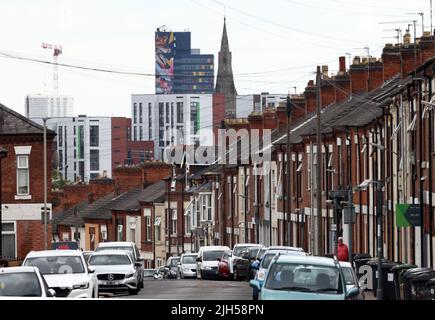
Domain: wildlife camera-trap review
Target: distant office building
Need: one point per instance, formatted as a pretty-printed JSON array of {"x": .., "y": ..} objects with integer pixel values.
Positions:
[
  {"x": 245, "y": 104},
  {"x": 179, "y": 68},
  {"x": 195, "y": 116},
  {"x": 92, "y": 147},
  {"x": 47, "y": 106}
]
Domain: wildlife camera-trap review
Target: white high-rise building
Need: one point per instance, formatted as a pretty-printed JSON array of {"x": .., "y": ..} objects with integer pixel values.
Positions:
[
  {"x": 84, "y": 146},
  {"x": 245, "y": 104},
  {"x": 154, "y": 115},
  {"x": 39, "y": 106}
]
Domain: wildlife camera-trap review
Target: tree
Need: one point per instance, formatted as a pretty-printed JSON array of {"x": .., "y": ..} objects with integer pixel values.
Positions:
[{"x": 57, "y": 181}]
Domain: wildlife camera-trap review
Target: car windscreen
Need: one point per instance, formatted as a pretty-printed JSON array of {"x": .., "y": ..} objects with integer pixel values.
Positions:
[
  {"x": 266, "y": 260},
  {"x": 212, "y": 255},
  {"x": 57, "y": 264},
  {"x": 253, "y": 252},
  {"x": 348, "y": 276},
  {"x": 304, "y": 277},
  {"x": 109, "y": 260},
  {"x": 238, "y": 250},
  {"x": 174, "y": 262},
  {"x": 20, "y": 284},
  {"x": 189, "y": 260}
]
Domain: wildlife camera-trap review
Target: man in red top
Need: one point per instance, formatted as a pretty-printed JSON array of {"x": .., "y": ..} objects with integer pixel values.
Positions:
[{"x": 342, "y": 250}]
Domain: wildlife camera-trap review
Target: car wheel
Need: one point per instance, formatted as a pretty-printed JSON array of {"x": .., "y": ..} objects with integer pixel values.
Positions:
[
  {"x": 255, "y": 294},
  {"x": 235, "y": 275},
  {"x": 133, "y": 291}
]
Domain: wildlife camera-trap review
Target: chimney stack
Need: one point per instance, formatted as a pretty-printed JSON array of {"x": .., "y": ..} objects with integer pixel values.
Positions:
[
  {"x": 356, "y": 60},
  {"x": 325, "y": 71},
  {"x": 342, "y": 65}
]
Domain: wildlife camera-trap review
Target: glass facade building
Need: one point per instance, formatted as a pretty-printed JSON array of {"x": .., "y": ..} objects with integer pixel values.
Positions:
[{"x": 179, "y": 68}]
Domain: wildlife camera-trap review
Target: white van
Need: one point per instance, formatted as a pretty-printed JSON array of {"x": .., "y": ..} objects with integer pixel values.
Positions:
[{"x": 207, "y": 261}]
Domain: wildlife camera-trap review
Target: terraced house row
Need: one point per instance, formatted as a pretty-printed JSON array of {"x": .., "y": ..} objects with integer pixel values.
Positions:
[{"x": 376, "y": 154}]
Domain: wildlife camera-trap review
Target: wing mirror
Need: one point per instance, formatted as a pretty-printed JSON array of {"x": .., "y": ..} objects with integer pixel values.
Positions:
[
  {"x": 138, "y": 264},
  {"x": 352, "y": 292},
  {"x": 219, "y": 259},
  {"x": 198, "y": 259},
  {"x": 255, "y": 284},
  {"x": 51, "y": 293},
  {"x": 91, "y": 269}
]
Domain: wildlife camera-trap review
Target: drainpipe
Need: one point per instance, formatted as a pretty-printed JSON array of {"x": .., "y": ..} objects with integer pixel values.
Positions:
[
  {"x": 421, "y": 182},
  {"x": 361, "y": 215},
  {"x": 389, "y": 147},
  {"x": 325, "y": 145},
  {"x": 367, "y": 155},
  {"x": 431, "y": 138},
  {"x": 399, "y": 148},
  {"x": 374, "y": 178},
  {"x": 349, "y": 186}
]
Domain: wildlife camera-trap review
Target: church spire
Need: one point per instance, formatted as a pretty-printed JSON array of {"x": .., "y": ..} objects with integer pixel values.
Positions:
[{"x": 225, "y": 79}]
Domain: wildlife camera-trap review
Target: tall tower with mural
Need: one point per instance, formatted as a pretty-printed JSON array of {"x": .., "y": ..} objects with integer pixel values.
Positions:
[{"x": 225, "y": 78}]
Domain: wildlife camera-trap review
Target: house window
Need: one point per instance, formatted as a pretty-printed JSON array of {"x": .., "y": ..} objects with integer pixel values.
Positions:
[
  {"x": 148, "y": 224},
  {"x": 135, "y": 134},
  {"x": 95, "y": 160},
  {"x": 140, "y": 112},
  {"x": 159, "y": 262},
  {"x": 186, "y": 224},
  {"x": 134, "y": 112},
  {"x": 81, "y": 142},
  {"x": 94, "y": 136},
  {"x": 60, "y": 159},
  {"x": 23, "y": 175},
  {"x": 140, "y": 133},
  {"x": 8, "y": 240},
  {"x": 157, "y": 230},
  {"x": 206, "y": 207},
  {"x": 174, "y": 221}
]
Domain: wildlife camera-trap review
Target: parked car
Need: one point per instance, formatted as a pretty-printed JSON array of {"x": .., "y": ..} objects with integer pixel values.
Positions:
[
  {"x": 149, "y": 273},
  {"x": 128, "y": 246},
  {"x": 256, "y": 262},
  {"x": 264, "y": 263},
  {"x": 351, "y": 279},
  {"x": 224, "y": 265},
  {"x": 116, "y": 270},
  {"x": 297, "y": 277},
  {"x": 65, "y": 271},
  {"x": 160, "y": 273},
  {"x": 173, "y": 268},
  {"x": 207, "y": 261},
  {"x": 23, "y": 282},
  {"x": 87, "y": 254},
  {"x": 188, "y": 265},
  {"x": 239, "y": 261}
]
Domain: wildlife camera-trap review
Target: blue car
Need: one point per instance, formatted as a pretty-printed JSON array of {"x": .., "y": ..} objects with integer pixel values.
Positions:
[
  {"x": 296, "y": 277},
  {"x": 263, "y": 264}
]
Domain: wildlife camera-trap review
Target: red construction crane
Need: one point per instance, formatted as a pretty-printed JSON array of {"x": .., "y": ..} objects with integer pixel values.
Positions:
[{"x": 57, "y": 50}]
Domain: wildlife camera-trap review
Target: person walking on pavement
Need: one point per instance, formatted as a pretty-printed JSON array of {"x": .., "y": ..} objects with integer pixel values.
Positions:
[{"x": 342, "y": 250}]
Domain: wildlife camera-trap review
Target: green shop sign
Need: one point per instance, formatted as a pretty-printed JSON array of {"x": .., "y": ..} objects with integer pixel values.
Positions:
[{"x": 408, "y": 215}]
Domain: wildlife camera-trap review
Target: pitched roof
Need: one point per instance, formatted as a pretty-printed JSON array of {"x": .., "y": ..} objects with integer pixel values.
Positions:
[
  {"x": 13, "y": 123},
  {"x": 127, "y": 201},
  {"x": 154, "y": 193},
  {"x": 100, "y": 209},
  {"x": 69, "y": 217}
]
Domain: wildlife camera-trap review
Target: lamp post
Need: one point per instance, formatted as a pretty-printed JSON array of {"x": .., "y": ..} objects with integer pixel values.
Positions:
[{"x": 3, "y": 154}]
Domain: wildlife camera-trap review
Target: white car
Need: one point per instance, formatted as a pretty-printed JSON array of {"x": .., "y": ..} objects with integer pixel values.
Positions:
[
  {"x": 24, "y": 282},
  {"x": 188, "y": 265},
  {"x": 66, "y": 272},
  {"x": 207, "y": 261},
  {"x": 351, "y": 279},
  {"x": 236, "y": 259},
  {"x": 116, "y": 271}
]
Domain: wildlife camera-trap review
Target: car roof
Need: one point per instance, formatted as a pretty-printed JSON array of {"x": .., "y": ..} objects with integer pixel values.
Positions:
[
  {"x": 54, "y": 253},
  {"x": 345, "y": 264},
  {"x": 115, "y": 244},
  {"x": 111, "y": 252},
  {"x": 276, "y": 251},
  {"x": 248, "y": 245},
  {"x": 285, "y": 248},
  {"x": 189, "y": 254},
  {"x": 214, "y": 248},
  {"x": 288, "y": 258},
  {"x": 17, "y": 269}
]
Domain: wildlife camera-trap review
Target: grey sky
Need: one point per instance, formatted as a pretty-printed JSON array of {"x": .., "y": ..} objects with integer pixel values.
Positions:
[{"x": 275, "y": 35}]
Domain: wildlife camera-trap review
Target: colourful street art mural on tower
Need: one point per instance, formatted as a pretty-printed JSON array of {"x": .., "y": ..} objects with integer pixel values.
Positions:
[{"x": 165, "y": 53}]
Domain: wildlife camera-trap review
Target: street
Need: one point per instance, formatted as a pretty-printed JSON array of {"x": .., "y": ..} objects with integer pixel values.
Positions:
[{"x": 191, "y": 289}]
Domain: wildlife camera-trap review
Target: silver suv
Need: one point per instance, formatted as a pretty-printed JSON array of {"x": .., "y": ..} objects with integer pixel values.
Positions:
[{"x": 126, "y": 246}]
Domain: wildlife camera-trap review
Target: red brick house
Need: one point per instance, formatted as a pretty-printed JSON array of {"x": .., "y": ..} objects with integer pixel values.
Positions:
[{"x": 22, "y": 183}]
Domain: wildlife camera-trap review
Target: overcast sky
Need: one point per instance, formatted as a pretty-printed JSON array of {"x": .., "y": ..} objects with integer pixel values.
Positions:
[{"x": 275, "y": 44}]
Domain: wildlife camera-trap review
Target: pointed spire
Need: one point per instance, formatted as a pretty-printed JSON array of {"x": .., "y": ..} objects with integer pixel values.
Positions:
[
  {"x": 224, "y": 42},
  {"x": 225, "y": 79}
]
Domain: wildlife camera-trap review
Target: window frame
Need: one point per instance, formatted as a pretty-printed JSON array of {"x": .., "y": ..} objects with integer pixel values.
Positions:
[
  {"x": 18, "y": 169},
  {"x": 14, "y": 232}
]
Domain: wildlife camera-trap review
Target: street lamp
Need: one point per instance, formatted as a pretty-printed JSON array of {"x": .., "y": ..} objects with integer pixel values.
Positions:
[
  {"x": 379, "y": 184},
  {"x": 3, "y": 154}
]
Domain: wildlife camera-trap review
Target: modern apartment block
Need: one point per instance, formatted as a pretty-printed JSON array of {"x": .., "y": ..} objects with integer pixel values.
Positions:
[
  {"x": 39, "y": 106},
  {"x": 194, "y": 117}
]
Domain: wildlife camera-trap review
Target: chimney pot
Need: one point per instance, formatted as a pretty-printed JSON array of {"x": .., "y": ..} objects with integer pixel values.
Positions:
[
  {"x": 356, "y": 60},
  {"x": 325, "y": 71},
  {"x": 364, "y": 60},
  {"x": 407, "y": 38}
]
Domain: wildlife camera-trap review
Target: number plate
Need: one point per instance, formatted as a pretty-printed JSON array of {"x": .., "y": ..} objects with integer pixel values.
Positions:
[{"x": 111, "y": 283}]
